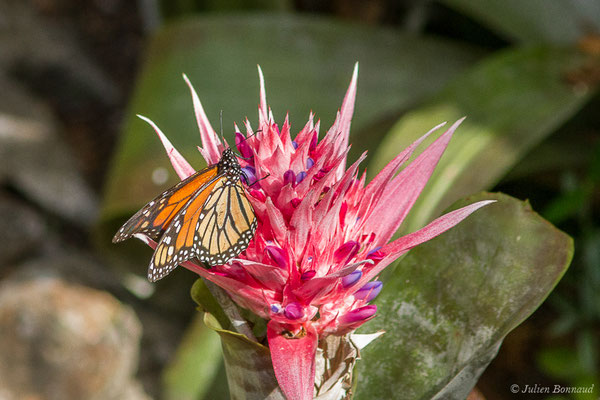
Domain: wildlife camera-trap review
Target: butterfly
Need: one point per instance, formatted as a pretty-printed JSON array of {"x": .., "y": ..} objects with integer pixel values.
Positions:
[{"x": 206, "y": 216}]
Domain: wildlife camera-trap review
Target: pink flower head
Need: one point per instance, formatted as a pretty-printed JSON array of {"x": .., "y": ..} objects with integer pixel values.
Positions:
[{"x": 324, "y": 235}]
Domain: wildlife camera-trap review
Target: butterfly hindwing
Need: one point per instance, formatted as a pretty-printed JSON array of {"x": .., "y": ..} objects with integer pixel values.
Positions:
[
  {"x": 231, "y": 225},
  {"x": 180, "y": 242},
  {"x": 215, "y": 226}
]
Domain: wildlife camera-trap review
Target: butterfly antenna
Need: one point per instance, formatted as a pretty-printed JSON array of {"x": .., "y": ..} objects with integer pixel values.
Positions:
[
  {"x": 249, "y": 136},
  {"x": 258, "y": 180},
  {"x": 243, "y": 140}
]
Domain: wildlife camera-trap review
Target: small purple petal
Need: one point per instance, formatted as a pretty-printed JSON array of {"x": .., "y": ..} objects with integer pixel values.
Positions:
[
  {"x": 295, "y": 144},
  {"x": 309, "y": 163},
  {"x": 249, "y": 174},
  {"x": 351, "y": 278},
  {"x": 359, "y": 314},
  {"x": 293, "y": 311},
  {"x": 289, "y": 177},
  {"x": 369, "y": 291},
  {"x": 300, "y": 177},
  {"x": 277, "y": 255},
  {"x": 346, "y": 251},
  {"x": 276, "y": 308},
  {"x": 296, "y": 202},
  {"x": 308, "y": 275},
  {"x": 375, "y": 254}
]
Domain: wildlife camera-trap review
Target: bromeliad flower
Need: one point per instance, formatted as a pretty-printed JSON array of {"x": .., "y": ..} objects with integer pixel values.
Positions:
[{"x": 323, "y": 234}]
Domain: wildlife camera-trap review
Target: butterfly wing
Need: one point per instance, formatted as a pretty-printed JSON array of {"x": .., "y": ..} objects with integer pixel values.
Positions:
[
  {"x": 155, "y": 216},
  {"x": 215, "y": 226}
]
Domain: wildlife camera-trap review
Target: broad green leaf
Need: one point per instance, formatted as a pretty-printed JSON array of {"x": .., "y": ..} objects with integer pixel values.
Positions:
[
  {"x": 535, "y": 21},
  {"x": 249, "y": 369},
  {"x": 208, "y": 303},
  {"x": 512, "y": 101},
  {"x": 198, "y": 359},
  {"x": 307, "y": 64},
  {"x": 453, "y": 299}
]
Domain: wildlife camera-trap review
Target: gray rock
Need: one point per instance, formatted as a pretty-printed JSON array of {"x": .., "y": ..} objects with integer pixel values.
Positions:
[
  {"x": 63, "y": 341},
  {"x": 35, "y": 160},
  {"x": 32, "y": 41},
  {"x": 22, "y": 230}
]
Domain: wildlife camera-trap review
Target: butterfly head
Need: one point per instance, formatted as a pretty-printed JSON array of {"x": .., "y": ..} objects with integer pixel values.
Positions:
[{"x": 229, "y": 163}]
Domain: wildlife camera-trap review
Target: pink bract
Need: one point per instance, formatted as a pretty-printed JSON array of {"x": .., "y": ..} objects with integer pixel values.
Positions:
[{"x": 323, "y": 236}]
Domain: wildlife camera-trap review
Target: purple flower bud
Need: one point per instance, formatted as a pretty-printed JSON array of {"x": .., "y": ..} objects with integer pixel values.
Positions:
[
  {"x": 308, "y": 275},
  {"x": 375, "y": 254},
  {"x": 277, "y": 255},
  {"x": 249, "y": 174},
  {"x": 358, "y": 315},
  {"x": 309, "y": 163},
  {"x": 300, "y": 177},
  {"x": 351, "y": 278},
  {"x": 276, "y": 308},
  {"x": 346, "y": 251},
  {"x": 293, "y": 311},
  {"x": 369, "y": 291},
  {"x": 295, "y": 144},
  {"x": 289, "y": 177},
  {"x": 242, "y": 145}
]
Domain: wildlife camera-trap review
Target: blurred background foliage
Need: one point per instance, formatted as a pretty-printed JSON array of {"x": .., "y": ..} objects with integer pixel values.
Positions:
[{"x": 525, "y": 73}]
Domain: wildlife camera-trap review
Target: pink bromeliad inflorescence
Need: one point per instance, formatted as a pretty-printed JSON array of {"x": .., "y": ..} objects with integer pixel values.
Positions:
[{"x": 324, "y": 234}]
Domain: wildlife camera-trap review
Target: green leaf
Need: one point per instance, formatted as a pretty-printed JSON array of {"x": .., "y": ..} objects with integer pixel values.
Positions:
[
  {"x": 453, "y": 299},
  {"x": 512, "y": 101},
  {"x": 535, "y": 21},
  {"x": 249, "y": 369},
  {"x": 307, "y": 65},
  {"x": 197, "y": 361},
  {"x": 206, "y": 302}
]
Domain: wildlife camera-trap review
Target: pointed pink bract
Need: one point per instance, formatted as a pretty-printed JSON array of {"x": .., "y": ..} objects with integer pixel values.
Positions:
[
  {"x": 323, "y": 233},
  {"x": 293, "y": 360}
]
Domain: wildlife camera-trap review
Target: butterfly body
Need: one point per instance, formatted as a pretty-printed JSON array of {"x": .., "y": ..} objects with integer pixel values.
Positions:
[{"x": 206, "y": 216}]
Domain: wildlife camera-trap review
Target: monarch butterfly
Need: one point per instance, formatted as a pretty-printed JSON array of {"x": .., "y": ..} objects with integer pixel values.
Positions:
[{"x": 206, "y": 216}]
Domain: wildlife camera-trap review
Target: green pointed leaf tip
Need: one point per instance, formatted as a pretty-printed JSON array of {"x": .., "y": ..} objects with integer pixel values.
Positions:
[
  {"x": 248, "y": 364},
  {"x": 512, "y": 101},
  {"x": 453, "y": 299},
  {"x": 398, "y": 70}
]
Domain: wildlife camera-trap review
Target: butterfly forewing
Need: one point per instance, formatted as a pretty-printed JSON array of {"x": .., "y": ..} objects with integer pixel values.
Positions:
[
  {"x": 155, "y": 216},
  {"x": 206, "y": 216}
]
